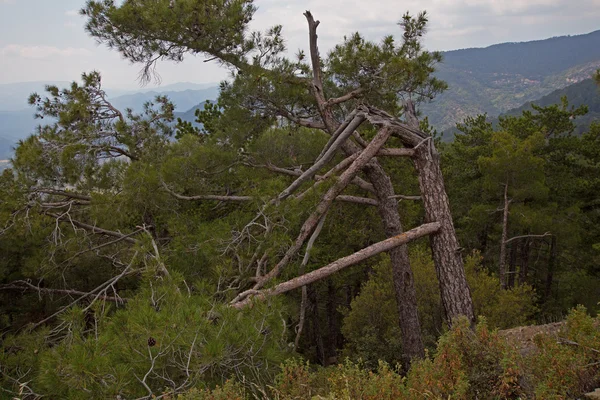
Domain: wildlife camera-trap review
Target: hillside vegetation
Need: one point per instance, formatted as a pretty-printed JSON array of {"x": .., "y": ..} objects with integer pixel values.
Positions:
[
  {"x": 313, "y": 239},
  {"x": 498, "y": 78}
]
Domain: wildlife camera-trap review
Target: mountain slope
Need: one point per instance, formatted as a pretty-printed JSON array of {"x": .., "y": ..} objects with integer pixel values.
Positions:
[
  {"x": 498, "y": 78},
  {"x": 183, "y": 100},
  {"x": 585, "y": 92}
]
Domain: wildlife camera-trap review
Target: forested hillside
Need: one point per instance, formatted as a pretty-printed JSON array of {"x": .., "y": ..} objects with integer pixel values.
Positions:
[
  {"x": 584, "y": 93},
  {"x": 311, "y": 239},
  {"x": 498, "y": 78}
]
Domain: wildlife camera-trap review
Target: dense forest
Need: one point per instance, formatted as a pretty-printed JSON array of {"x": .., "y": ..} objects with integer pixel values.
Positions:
[{"x": 311, "y": 237}]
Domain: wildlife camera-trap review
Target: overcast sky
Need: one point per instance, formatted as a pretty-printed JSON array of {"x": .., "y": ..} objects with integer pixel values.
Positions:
[{"x": 44, "y": 40}]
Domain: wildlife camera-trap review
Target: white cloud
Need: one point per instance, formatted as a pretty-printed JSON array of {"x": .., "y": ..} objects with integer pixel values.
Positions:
[
  {"x": 38, "y": 52},
  {"x": 72, "y": 13}
]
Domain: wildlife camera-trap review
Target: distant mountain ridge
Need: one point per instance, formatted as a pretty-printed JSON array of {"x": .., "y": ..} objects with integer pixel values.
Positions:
[
  {"x": 501, "y": 77},
  {"x": 183, "y": 100},
  {"x": 490, "y": 80},
  {"x": 17, "y": 121}
]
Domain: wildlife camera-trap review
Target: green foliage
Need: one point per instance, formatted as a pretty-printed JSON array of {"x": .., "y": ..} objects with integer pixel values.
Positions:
[
  {"x": 581, "y": 95},
  {"x": 344, "y": 381},
  {"x": 165, "y": 340},
  {"x": 146, "y": 32},
  {"x": 467, "y": 365},
  {"x": 229, "y": 391},
  {"x": 502, "y": 308},
  {"x": 564, "y": 368},
  {"x": 87, "y": 134},
  {"x": 402, "y": 67},
  {"x": 103, "y": 201},
  {"x": 185, "y": 128},
  {"x": 371, "y": 324},
  {"x": 551, "y": 175}
]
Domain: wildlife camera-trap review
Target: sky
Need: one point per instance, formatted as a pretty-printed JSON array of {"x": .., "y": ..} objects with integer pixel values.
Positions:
[{"x": 45, "y": 40}]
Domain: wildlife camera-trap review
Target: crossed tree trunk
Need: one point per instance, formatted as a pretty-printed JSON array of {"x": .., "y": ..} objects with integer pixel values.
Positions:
[
  {"x": 361, "y": 157},
  {"x": 455, "y": 293}
]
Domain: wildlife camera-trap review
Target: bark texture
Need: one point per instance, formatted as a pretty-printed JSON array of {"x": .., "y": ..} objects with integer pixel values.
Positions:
[
  {"x": 503, "y": 240},
  {"x": 404, "y": 288},
  {"x": 454, "y": 289}
]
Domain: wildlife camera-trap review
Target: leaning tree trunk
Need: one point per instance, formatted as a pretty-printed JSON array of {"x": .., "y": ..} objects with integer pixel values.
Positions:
[
  {"x": 404, "y": 288},
  {"x": 454, "y": 290}
]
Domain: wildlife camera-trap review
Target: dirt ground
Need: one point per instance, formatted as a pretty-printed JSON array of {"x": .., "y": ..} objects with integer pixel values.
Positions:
[{"x": 522, "y": 336}]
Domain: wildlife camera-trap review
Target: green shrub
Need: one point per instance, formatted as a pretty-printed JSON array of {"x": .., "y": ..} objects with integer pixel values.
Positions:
[
  {"x": 468, "y": 365},
  {"x": 229, "y": 391},
  {"x": 569, "y": 365},
  {"x": 164, "y": 341},
  {"x": 371, "y": 325}
]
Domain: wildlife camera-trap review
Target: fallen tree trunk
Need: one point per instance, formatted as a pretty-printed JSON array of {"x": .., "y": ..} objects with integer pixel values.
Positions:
[{"x": 344, "y": 262}]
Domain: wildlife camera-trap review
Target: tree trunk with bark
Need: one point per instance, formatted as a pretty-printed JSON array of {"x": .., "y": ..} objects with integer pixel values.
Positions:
[
  {"x": 524, "y": 269},
  {"x": 410, "y": 327},
  {"x": 502, "y": 263},
  {"x": 454, "y": 289},
  {"x": 332, "y": 326},
  {"x": 402, "y": 275}
]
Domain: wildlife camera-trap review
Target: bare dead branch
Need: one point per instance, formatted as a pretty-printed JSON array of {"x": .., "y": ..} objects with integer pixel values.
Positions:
[
  {"x": 327, "y": 156},
  {"x": 410, "y": 136},
  {"x": 348, "y": 96},
  {"x": 64, "y": 193},
  {"x": 572, "y": 343},
  {"x": 21, "y": 285},
  {"x": 358, "y": 200},
  {"x": 527, "y": 236},
  {"x": 340, "y": 129},
  {"x": 342, "y": 182},
  {"x": 362, "y": 142},
  {"x": 301, "y": 271},
  {"x": 353, "y": 259},
  {"x": 62, "y": 204},
  {"x": 92, "y": 228},
  {"x": 207, "y": 196},
  {"x": 314, "y": 54},
  {"x": 122, "y": 152},
  {"x": 305, "y": 122},
  {"x": 404, "y": 197},
  {"x": 395, "y": 152},
  {"x": 101, "y": 246},
  {"x": 98, "y": 289}
]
